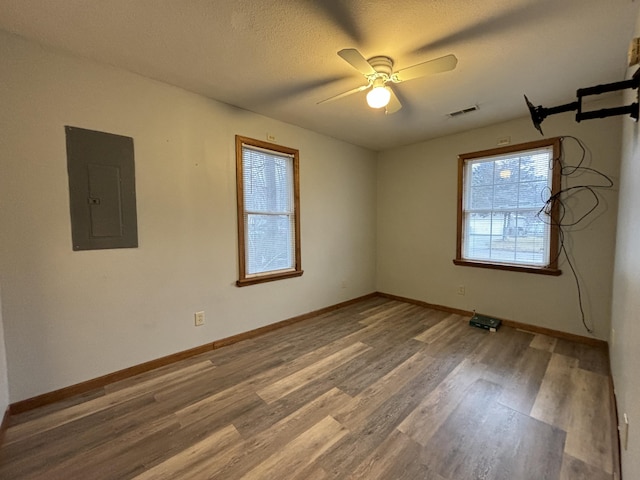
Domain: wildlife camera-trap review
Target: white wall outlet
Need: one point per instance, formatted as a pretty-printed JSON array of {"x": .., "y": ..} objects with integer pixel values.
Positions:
[
  {"x": 461, "y": 290},
  {"x": 271, "y": 137},
  {"x": 503, "y": 141},
  {"x": 343, "y": 284},
  {"x": 199, "y": 318}
]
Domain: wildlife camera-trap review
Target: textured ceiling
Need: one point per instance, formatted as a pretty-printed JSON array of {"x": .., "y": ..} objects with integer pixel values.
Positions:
[{"x": 278, "y": 57}]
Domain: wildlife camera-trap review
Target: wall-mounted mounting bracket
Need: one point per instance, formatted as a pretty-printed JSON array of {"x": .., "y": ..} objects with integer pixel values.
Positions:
[{"x": 539, "y": 113}]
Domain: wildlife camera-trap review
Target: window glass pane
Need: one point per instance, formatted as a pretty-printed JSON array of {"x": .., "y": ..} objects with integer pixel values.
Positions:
[
  {"x": 481, "y": 197},
  {"x": 505, "y": 196},
  {"x": 502, "y": 203},
  {"x": 478, "y": 236},
  {"x": 267, "y": 182},
  {"x": 534, "y": 167},
  {"x": 269, "y": 243},
  {"x": 533, "y": 194},
  {"x": 519, "y": 237},
  {"x": 507, "y": 171},
  {"x": 481, "y": 173}
]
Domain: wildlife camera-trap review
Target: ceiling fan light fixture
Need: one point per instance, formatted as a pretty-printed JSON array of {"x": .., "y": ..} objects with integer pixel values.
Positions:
[
  {"x": 379, "y": 96},
  {"x": 379, "y": 72}
]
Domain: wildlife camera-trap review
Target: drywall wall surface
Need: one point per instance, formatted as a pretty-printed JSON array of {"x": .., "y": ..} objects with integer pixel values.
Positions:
[
  {"x": 72, "y": 316},
  {"x": 625, "y": 313},
  {"x": 4, "y": 380},
  {"x": 417, "y": 208}
]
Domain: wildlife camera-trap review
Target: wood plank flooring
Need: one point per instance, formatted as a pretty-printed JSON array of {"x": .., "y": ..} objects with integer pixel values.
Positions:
[{"x": 377, "y": 390}]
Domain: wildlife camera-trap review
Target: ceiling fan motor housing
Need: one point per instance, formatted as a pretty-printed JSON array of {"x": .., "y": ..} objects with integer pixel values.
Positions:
[{"x": 382, "y": 65}]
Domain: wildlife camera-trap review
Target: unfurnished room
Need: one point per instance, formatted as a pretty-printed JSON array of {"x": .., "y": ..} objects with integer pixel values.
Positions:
[{"x": 319, "y": 239}]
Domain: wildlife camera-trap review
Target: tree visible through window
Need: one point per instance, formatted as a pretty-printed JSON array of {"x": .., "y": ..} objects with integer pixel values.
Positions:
[
  {"x": 503, "y": 216},
  {"x": 268, "y": 218}
]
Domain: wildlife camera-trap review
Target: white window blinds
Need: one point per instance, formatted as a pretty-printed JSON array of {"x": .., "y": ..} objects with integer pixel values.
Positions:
[
  {"x": 502, "y": 198},
  {"x": 269, "y": 212}
]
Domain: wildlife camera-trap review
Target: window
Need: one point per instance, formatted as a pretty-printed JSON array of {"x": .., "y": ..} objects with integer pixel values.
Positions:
[
  {"x": 503, "y": 217},
  {"x": 268, "y": 211}
]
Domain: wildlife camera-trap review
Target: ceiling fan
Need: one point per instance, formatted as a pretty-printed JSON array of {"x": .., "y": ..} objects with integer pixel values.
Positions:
[{"x": 380, "y": 75}]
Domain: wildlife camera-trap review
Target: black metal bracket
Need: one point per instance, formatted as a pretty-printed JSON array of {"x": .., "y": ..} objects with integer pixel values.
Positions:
[{"x": 539, "y": 113}]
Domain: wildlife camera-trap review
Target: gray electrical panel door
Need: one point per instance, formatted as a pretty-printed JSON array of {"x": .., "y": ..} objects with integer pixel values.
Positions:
[{"x": 102, "y": 189}]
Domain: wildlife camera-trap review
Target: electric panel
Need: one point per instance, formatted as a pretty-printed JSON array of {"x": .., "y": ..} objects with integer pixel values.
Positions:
[{"x": 102, "y": 190}]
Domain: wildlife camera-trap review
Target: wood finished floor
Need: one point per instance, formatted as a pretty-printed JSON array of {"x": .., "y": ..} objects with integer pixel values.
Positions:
[{"x": 377, "y": 390}]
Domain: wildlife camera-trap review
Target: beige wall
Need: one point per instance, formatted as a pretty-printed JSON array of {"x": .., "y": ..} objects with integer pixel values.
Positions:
[
  {"x": 625, "y": 339},
  {"x": 4, "y": 380},
  {"x": 417, "y": 194},
  {"x": 72, "y": 316}
]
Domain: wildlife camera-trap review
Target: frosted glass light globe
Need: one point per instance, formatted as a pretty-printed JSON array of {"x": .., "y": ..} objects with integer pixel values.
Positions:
[{"x": 378, "y": 97}]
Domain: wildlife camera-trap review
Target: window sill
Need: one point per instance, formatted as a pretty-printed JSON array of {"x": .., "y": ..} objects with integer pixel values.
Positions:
[
  {"x": 513, "y": 268},
  {"x": 243, "y": 282}
]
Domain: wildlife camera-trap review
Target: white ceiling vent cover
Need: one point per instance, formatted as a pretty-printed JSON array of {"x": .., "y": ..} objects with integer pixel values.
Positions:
[{"x": 472, "y": 108}]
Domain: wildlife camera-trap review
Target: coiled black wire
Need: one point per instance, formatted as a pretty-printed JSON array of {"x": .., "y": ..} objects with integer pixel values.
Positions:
[{"x": 557, "y": 200}]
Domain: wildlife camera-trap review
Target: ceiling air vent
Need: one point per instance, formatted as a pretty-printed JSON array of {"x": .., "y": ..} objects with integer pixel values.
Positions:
[{"x": 472, "y": 108}]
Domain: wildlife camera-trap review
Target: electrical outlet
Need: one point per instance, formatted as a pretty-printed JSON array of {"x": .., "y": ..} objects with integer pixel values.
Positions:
[
  {"x": 612, "y": 338},
  {"x": 199, "y": 318},
  {"x": 343, "y": 284},
  {"x": 461, "y": 290}
]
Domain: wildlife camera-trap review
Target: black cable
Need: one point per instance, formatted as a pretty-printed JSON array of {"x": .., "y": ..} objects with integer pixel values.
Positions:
[
  {"x": 555, "y": 201},
  {"x": 575, "y": 276}
]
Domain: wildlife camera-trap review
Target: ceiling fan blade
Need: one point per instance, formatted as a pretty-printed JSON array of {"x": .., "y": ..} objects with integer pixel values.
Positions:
[
  {"x": 394, "y": 103},
  {"x": 503, "y": 22},
  {"x": 442, "y": 64},
  {"x": 341, "y": 14},
  {"x": 345, "y": 94},
  {"x": 354, "y": 58}
]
